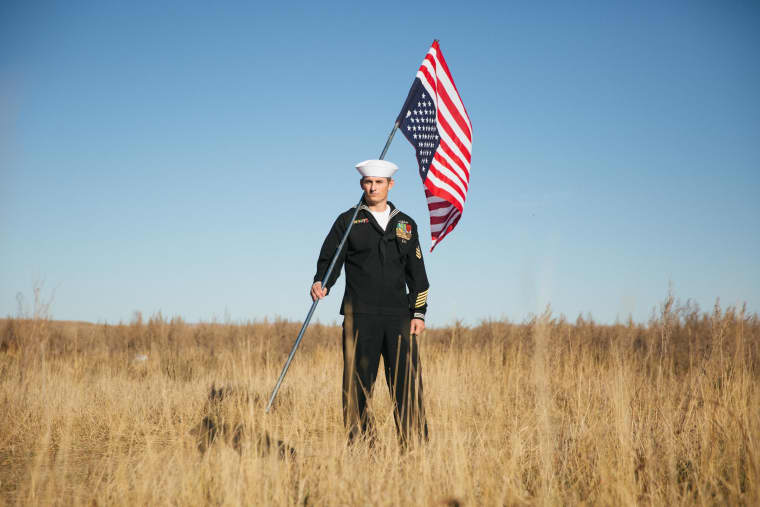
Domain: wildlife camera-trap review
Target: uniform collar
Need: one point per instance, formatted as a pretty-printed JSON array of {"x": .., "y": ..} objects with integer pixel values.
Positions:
[
  {"x": 388, "y": 229},
  {"x": 394, "y": 210}
]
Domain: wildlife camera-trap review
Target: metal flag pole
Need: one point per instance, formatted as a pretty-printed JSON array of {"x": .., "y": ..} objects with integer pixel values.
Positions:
[{"x": 324, "y": 282}]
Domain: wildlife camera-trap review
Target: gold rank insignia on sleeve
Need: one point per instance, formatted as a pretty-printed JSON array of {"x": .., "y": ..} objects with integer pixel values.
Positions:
[
  {"x": 421, "y": 299},
  {"x": 418, "y": 253}
]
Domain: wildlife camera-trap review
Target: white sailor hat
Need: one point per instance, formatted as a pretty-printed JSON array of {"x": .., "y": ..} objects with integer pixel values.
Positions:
[{"x": 377, "y": 168}]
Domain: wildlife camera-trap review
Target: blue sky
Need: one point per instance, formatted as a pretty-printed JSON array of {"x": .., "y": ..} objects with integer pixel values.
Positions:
[{"x": 189, "y": 158}]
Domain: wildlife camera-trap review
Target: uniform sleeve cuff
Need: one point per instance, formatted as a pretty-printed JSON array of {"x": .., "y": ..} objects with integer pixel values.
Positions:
[{"x": 418, "y": 315}]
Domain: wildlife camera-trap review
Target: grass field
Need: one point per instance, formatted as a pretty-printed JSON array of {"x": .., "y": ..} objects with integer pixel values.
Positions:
[{"x": 541, "y": 412}]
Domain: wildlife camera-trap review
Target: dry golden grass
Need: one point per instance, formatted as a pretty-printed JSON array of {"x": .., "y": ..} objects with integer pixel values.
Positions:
[{"x": 544, "y": 412}]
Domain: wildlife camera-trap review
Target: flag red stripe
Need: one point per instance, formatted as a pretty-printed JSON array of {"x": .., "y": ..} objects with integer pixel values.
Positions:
[
  {"x": 449, "y": 228},
  {"x": 445, "y": 68},
  {"x": 436, "y": 202},
  {"x": 443, "y": 218},
  {"x": 442, "y": 227},
  {"x": 441, "y": 175},
  {"x": 448, "y": 183},
  {"x": 453, "y": 111},
  {"x": 432, "y": 206},
  {"x": 428, "y": 77},
  {"x": 443, "y": 95},
  {"x": 430, "y": 58},
  {"x": 446, "y": 228},
  {"x": 447, "y": 128},
  {"x": 445, "y": 163},
  {"x": 444, "y": 146},
  {"x": 443, "y": 194}
]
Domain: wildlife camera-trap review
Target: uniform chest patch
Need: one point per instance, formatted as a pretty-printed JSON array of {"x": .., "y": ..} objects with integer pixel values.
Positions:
[
  {"x": 361, "y": 221},
  {"x": 404, "y": 230}
]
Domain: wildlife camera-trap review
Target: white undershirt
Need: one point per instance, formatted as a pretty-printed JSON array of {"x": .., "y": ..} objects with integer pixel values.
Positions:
[{"x": 382, "y": 217}]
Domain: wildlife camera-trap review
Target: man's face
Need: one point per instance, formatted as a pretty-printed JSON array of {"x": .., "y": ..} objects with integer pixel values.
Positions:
[{"x": 376, "y": 189}]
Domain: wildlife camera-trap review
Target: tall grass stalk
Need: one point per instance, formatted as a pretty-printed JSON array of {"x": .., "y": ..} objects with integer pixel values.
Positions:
[{"x": 545, "y": 412}]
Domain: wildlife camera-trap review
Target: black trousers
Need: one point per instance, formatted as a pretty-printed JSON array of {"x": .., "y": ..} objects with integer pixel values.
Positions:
[{"x": 367, "y": 337}]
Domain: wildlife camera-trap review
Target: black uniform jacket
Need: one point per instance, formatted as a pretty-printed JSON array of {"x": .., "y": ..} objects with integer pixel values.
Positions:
[{"x": 380, "y": 265}]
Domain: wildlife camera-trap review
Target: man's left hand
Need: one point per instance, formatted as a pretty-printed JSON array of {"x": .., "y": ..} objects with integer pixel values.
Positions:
[{"x": 418, "y": 326}]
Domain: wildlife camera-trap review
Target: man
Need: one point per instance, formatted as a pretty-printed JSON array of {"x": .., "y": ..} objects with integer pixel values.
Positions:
[{"x": 383, "y": 258}]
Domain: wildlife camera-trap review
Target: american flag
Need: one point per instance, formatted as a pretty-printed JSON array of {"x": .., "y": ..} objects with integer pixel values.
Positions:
[{"x": 435, "y": 121}]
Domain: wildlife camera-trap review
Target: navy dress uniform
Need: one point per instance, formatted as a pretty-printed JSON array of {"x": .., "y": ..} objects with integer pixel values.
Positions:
[{"x": 380, "y": 264}]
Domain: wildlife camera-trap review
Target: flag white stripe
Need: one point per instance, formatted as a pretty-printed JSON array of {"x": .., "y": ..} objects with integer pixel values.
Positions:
[
  {"x": 460, "y": 195},
  {"x": 443, "y": 219},
  {"x": 461, "y": 171},
  {"x": 439, "y": 212},
  {"x": 444, "y": 186},
  {"x": 431, "y": 71},
  {"x": 450, "y": 175},
  {"x": 441, "y": 106},
  {"x": 443, "y": 80},
  {"x": 434, "y": 199},
  {"x": 451, "y": 90},
  {"x": 441, "y": 228},
  {"x": 453, "y": 216},
  {"x": 464, "y": 138},
  {"x": 429, "y": 87},
  {"x": 434, "y": 207},
  {"x": 453, "y": 147}
]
